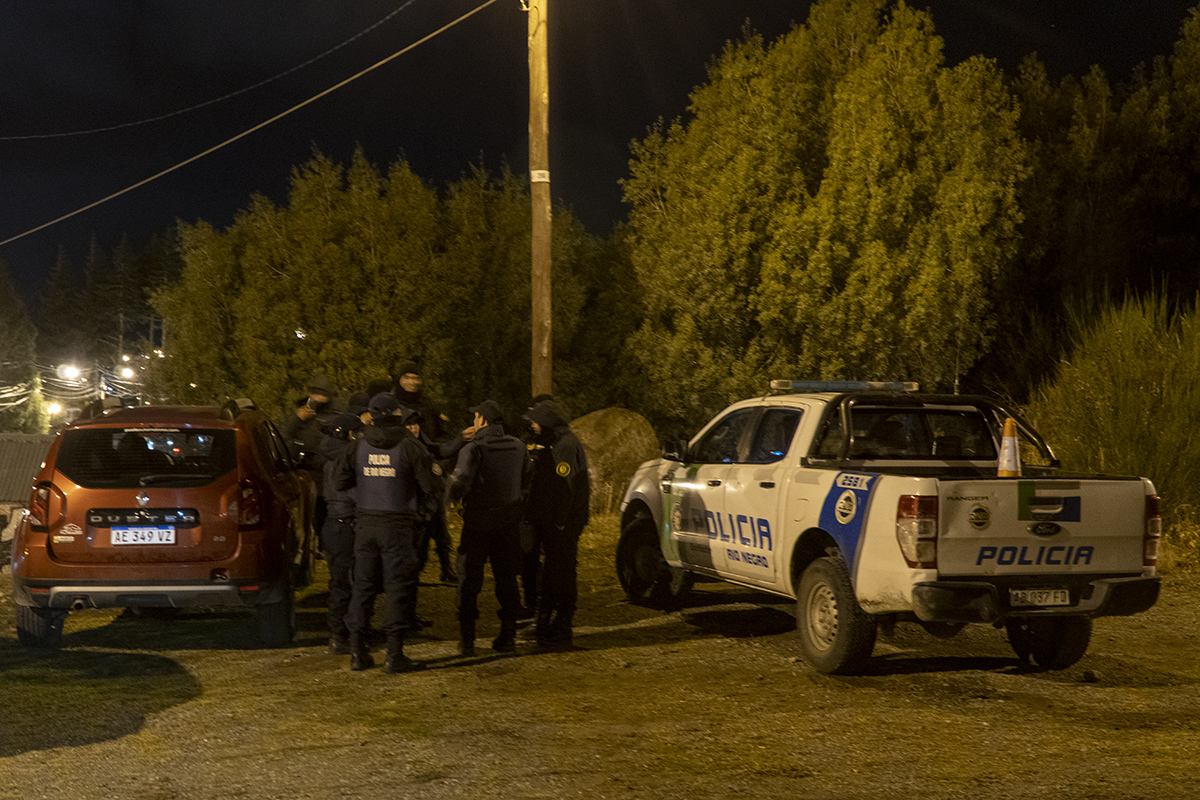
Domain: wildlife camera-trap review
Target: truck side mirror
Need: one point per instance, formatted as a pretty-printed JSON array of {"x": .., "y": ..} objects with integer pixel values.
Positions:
[{"x": 676, "y": 450}]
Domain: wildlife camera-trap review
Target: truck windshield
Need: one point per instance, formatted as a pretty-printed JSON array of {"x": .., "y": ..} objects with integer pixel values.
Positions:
[{"x": 905, "y": 433}]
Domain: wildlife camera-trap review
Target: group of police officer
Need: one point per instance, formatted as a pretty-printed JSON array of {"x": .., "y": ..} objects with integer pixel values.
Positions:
[{"x": 386, "y": 470}]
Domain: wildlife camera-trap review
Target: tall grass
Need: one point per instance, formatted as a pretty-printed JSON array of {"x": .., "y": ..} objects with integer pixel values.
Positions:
[{"x": 1127, "y": 401}]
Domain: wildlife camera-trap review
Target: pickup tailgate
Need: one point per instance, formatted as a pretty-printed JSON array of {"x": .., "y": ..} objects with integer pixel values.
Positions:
[{"x": 1006, "y": 526}]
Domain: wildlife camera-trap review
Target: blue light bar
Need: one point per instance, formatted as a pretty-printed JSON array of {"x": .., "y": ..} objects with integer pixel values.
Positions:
[{"x": 845, "y": 386}]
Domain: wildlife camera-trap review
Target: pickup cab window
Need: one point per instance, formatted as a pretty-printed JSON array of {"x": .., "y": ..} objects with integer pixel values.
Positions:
[
  {"x": 720, "y": 444},
  {"x": 774, "y": 435}
]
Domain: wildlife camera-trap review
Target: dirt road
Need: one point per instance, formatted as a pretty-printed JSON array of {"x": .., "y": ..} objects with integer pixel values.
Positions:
[{"x": 707, "y": 702}]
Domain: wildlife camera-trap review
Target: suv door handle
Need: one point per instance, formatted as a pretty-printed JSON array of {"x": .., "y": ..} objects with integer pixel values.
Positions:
[
  {"x": 767, "y": 484},
  {"x": 714, "y": 483}
]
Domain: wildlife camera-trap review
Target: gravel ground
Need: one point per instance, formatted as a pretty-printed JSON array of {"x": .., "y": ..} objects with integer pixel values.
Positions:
[{"x": 710, "y": 701}]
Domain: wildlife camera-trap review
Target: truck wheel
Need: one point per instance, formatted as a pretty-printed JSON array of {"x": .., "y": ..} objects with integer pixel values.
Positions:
[
  {"x": 646, "y": 577},
  {"x": 277, "y": 621},
  {"x": 1052, "y": 642},
  {"x": 836, "y": 635},
  {"x": 39, "y": 627}
]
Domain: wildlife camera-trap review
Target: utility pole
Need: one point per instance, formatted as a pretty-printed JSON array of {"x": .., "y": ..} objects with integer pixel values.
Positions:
[{"x": 539, "y": 190}]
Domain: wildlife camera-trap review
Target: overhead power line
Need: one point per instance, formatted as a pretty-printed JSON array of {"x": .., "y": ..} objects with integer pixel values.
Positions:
[
  {"x": 249, "y": 131},
  {"x": 215, "y": 100}
]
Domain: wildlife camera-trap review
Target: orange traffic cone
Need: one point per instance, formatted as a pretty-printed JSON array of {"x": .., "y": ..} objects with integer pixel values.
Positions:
[{"x": 1010, "y": 457}]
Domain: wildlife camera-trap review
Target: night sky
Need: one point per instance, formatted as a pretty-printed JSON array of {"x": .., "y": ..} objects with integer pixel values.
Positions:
[{"x": 616, "y": 66}]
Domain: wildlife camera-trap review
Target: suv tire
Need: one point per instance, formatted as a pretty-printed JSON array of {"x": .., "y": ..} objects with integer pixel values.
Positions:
[{"x": 39, "y": 627}]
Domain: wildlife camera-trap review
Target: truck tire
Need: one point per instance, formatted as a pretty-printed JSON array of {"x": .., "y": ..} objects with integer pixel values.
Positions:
[
  {"x": 1051, "y": 642},
  {"x": 646, "y": 577},
  {"x": 836, "y": 635},
  {"x": 39, "y": 627},
  {"x": 277, "y": 621}
]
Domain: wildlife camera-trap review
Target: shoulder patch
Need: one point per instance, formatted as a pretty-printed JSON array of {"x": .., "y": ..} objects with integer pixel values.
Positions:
[{"x": 563, "y": 469}]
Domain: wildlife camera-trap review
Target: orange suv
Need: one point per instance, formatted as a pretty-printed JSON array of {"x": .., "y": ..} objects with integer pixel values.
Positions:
[{"x": 165, "y": 507}]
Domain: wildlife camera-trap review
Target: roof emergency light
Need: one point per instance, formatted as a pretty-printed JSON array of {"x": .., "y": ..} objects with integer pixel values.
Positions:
[{"x": 845, "y": 386}]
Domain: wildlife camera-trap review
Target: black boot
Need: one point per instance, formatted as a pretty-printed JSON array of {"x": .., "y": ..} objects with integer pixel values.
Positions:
[
  {"x": 360, "y": 659},
  {"x": 466, "y": 637},
  {"x": 561, "y": 633},
  {"x": 506, "y": 642},
  {"x": 396, "y": 660},
  {"x": 339, "y": 644},
  {"x": 448, "y": 573},
  {"x": 541, "y": 628}
]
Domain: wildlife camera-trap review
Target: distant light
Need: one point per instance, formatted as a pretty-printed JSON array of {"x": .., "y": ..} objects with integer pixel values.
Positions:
[
  {"x": 159, "y": 353},
  {"x": 54, "y": 408},
  {"x": 125, "y": 358},
  {"x": 192, "y": 385},
  {"x": 69, "y": 372},
  {"x": 301, "y": 334},
  {"x": 126, "y": 372}
]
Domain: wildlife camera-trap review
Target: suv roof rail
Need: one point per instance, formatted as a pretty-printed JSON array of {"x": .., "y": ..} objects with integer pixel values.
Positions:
[
  {"x": 236, "y": 405},
  {"x": 844, "y": 386},
  {"x": 102, "y": 405}
]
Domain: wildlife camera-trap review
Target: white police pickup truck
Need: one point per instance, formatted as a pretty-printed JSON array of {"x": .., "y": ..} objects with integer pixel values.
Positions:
[{"x": 870, "y": 505}]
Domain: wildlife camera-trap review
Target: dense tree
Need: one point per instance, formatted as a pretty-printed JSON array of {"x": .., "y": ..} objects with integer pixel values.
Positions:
[
  {"x": 359, "y": 272},
  {"x": 709, "y": 197},
  {"x": 1112, "y": 204},
  {"x": 888, "y": 273},
  {"x": 21, "y": 407},
  {"x": 840, "y": 205}
]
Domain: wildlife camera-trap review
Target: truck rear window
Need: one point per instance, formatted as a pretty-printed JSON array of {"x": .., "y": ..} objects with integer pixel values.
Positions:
[
  {"x": 912, "y": 433},
  {"x": 128, "y": 458}
]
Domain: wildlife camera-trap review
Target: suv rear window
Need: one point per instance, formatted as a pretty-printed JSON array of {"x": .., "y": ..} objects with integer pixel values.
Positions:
[{"x": 127, "y": 458}]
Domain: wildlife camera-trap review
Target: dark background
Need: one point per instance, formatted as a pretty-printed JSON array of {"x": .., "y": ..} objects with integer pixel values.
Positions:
[{"x": 461, "y": 98}]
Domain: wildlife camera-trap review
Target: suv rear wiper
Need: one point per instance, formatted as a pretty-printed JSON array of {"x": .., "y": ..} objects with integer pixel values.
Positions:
[{"x": 146, "y": 480}]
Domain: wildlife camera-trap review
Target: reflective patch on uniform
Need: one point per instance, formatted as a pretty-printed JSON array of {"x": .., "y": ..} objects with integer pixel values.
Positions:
[{"x": 563, "y": 469}]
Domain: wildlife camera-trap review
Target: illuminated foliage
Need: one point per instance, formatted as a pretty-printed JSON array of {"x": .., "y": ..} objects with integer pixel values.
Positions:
[{"x": 361, "y": 271}]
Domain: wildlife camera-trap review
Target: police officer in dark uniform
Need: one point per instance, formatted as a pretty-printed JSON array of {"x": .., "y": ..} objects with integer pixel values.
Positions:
[
  {"x": 435, "y": 435},
  {"x": 441, "y": 459},
  {"x": 558, "y": 510},
  {"x": 488, "y": 478},
  {"x": 302, "y": 430},
  {"x": 393, "y": 493},
  {"x": 531, "y": 545},
  {"x": 337, "y": 535}
]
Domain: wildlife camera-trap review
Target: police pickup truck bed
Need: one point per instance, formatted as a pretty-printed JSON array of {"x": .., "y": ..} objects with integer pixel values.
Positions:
[{"x": 871, "y": 507}]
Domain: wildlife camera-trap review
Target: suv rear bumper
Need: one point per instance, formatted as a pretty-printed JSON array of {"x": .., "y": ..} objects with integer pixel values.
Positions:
[
  {"x": 77, "y": 596},
  {"x": 984, "y": 601}
]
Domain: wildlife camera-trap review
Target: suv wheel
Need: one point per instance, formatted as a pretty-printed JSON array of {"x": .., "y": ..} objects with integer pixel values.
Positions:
[{"x": 39, "y": 627}]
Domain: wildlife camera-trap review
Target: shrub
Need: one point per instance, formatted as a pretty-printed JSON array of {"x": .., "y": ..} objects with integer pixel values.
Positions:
[{"x": 1127, "y": 401}]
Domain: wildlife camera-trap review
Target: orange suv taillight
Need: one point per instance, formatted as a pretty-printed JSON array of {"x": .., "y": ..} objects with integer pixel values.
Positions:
[
  {"x": 39, "y": 505},
  {"x": 916, "y": 530},
  {"x": 249, "y": 506}
]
